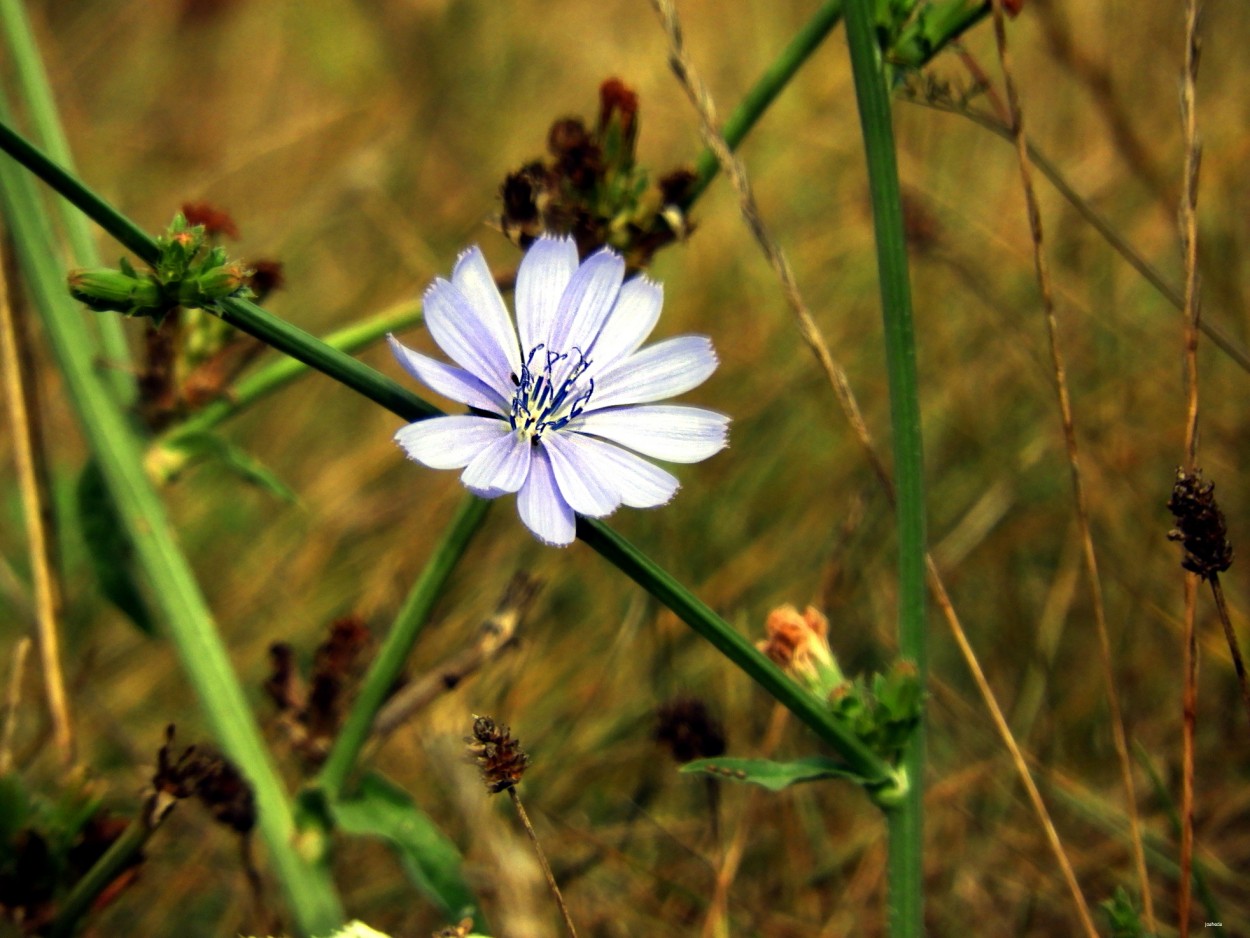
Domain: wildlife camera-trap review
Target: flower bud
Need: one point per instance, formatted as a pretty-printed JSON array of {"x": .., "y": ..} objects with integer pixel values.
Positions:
[{"x": 103, "y": 289}]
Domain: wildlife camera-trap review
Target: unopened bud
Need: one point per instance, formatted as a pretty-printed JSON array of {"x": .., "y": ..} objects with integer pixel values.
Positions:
[{"x": 103, "y": 289}]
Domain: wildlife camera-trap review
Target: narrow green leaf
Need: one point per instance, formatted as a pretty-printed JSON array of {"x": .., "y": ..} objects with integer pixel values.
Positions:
[
  {"x": 201, "y": 445},
  {"x": 774, "y": 775},
  {"x": 110, "y": 548},
  {"x": 382, "y": 809}
]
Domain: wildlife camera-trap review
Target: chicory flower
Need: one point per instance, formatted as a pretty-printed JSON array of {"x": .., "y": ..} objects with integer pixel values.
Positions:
[{"x": 563, "y": 403}]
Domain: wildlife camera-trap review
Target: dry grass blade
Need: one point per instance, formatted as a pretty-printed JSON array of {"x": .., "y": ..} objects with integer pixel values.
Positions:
[
  {"x": 1078, "y": 487},
  {"x": 32, "y": 470},
  {"x": 12, "y": 699},
  {"x": 1188, "y": 217}
]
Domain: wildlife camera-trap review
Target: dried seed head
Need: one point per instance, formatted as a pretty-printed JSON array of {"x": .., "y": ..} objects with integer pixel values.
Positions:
[
  {"x": 206, "y": 774},
  {"x": 1200, "y": 525},
  {"x": 216, "y": 221},
  {"x": 497, "y": 754},
  {"x": 689, "y": 731}
]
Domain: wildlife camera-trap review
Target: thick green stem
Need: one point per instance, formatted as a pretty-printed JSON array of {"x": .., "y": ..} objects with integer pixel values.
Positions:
[
  {"x": 309, "y": 888},
  {"x": 390, "y": 659},
  {"x": 36, "y": 91},
  {"x": 906, "y": 829}
]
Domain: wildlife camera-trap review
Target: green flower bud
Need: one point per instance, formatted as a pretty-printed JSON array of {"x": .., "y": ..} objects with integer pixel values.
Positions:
[
  {"x": 212, "y": 285},
  {"x": 103, "y": 289}
]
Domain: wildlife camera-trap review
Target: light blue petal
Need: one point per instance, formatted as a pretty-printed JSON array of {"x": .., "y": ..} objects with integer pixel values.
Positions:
[
  {"x": 587, "y": 301},
  {"x": 500, "y": 467},
  {"x": 541, "y": 279},
  {"x": 637, "y": 483},
  {"x": 462, "y": 331},
  {"x": 449, "y": 442},
  {"x": 541, "y": 507},
  {"x": 662, "y": 431},
  {"x": 473, "y": 279},
  {"x": 587, "y": 489},
  {"x": 448, "y": 380},
  {"x": 659, "y": 371},
  {"x": 635, "y": 314}
]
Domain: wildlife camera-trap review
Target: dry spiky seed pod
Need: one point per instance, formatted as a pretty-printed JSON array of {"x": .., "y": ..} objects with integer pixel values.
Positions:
[
  {"x": 497, "y": 754},
  {"x": 1200, "y": 525}
]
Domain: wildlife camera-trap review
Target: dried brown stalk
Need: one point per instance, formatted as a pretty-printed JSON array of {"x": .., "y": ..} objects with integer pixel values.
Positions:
[
  {"x": 1188, "y": 218},
  {"x": 23, "y": 403},
  {"x": 1042, "y": 270}
]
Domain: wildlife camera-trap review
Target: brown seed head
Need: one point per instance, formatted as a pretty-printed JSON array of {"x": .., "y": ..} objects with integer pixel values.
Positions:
[
  {"x": 1200, "y": 525},
  {"x": 497, "y": 754}
]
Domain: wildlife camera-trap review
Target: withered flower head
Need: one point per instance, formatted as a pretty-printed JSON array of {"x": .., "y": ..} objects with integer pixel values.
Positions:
[
  {"x": 1200, "y": 525},
  {"x": 689, "y": 731},
  {"x": 216, "y": 221},
  {"x": 497, "y": 754},
  {"x": 800, "y": 645},
  {"x": 592, "y": 189},
  {"x": 206, "y": 774}
]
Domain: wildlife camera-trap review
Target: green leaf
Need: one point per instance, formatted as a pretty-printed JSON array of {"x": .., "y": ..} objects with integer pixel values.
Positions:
[
  {"x": 205, "y": 445},
  {"x": 774, "y": 775},
  {"x": 110, "y": 548},
  {"x": 14, "y": 807},
  {"x": 382, "y": 809}
]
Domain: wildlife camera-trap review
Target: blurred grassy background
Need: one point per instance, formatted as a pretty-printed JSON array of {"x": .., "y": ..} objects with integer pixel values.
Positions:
[{"x": 363, "y": 145}]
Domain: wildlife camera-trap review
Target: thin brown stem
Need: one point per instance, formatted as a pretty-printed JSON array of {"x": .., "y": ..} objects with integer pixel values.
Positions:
[
  {"x": 21, "y": 392},
  {"x": 542, "y": 861},
  {"x": 1042, "y": 271},
  {"x": 1234, "y": 646},
  {"x": 1189, "y": 704}
]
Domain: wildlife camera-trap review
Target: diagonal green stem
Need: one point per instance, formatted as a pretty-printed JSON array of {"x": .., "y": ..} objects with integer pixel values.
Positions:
[
  {"x": 360, "y": 377},
  {"x": 906, "y": 857},
  {"x": 389, "y": 662},
  {"x": 696, "y": 614},
  {"x": 309, "y": 888},
  {"x": 765, "y": 91}
]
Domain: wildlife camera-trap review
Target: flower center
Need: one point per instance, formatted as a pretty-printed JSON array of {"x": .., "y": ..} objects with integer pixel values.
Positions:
[{"x": 548, "y": 394}]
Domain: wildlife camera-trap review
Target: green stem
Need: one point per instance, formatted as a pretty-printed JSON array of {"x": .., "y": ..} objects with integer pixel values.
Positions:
[
  {"x": 309, "y": 888},
  {"x": 765, "y": 91},
  {"x": 36, "y": 91},
  {"x": 274, "y": 376},
  {"x": 304, "y": 347},
  {"x": 390, "y": 659},
  {"x": 643, "y": 571},
  {"x": 906, "y": 823},
  {"x": 104, "y": 871}
]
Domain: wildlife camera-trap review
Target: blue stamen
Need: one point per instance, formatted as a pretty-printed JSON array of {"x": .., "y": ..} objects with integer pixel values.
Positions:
[{"x": 539, "y": 404}]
